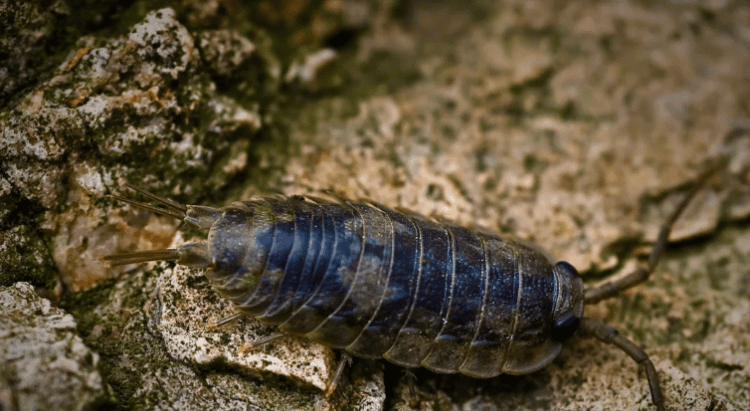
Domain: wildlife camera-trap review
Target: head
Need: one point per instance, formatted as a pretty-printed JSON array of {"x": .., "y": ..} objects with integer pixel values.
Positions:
[{"x": 568, "y": 302}]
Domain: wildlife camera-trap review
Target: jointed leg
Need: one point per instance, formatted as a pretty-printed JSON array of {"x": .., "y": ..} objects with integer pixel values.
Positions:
[
  {"x": 267, "y": 339},
  {"x": 411, "y": 381},
  {"x": 226, "y": 320},
  {"x": 641, "y": 274},
  {"x": 346, "y": 360},
  {"x": 610, "y": 335},
  {"x": 260, "y": 341}
]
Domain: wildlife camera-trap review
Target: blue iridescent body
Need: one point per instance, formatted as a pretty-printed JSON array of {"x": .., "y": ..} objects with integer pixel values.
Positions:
[{"x": 383, "y": 284}]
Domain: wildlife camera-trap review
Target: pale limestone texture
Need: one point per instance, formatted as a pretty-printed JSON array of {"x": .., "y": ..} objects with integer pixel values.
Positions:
[
  {"x": 577, "y": 126},
  {"x": 43, "y": 363},
  {"x": 574, "y": 125}
]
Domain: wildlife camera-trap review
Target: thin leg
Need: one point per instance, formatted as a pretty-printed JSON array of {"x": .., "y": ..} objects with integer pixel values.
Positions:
[
  {"x": 267, "y": 339},
  {"x": 260, "y": 341},
  {"x": 346, "y": 359},
  {"x": 641, "y": 274},
  {"x": 610, "y": 335},
  {"x": 411, "y": 382},
  {"x": 226, "y": 320}
]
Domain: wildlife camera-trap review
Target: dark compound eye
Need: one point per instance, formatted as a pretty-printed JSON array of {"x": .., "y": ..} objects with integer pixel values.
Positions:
[{"x": 565, "y": 327}]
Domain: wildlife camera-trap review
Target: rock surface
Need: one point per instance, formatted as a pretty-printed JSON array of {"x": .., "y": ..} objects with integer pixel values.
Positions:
[
  {"x": 44, "y": 364},
  {"x": 577, "y": 126}
]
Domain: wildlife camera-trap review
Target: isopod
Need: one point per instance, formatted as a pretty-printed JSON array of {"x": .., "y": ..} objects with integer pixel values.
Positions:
[{"x": 379, "y": 283}]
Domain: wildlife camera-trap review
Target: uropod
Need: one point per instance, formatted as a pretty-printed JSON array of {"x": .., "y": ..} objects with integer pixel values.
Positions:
[{"x": 380, "y": 283}]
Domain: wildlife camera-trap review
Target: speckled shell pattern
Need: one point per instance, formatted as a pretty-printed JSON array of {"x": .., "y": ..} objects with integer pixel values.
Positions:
[{"x": 385, "y": 284}]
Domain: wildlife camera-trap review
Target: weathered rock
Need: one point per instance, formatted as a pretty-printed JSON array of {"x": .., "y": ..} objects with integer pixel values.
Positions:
[
  {"x": 583, "y": 147},
  {"x": 44, "y": 364},
  {"x": 184, "y": 312},
  {"x": 574, "y": 125}
]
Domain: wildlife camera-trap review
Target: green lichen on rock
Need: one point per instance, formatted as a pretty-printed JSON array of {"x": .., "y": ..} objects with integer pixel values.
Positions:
[
  {"x": 24, "y": 256},
  {"x": 111, "y": 322}
]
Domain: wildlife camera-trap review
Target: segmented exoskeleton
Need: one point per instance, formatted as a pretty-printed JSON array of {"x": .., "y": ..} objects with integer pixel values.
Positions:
[{"x": 380, "y": 283}]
